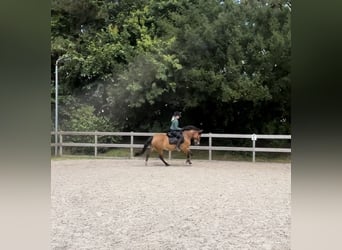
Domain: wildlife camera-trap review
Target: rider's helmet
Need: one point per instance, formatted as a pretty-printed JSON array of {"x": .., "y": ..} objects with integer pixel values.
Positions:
[{"x": 177, "y": 113}]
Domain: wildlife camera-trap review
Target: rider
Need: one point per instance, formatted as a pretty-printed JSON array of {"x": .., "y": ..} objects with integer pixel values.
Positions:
[{"x": 175, "y": 129}]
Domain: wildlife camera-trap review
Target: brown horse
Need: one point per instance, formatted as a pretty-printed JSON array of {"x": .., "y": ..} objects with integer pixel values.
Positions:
[{"x": 160, "y": 142}]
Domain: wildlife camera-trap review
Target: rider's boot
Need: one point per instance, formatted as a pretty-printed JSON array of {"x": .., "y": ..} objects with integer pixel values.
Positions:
[{"x": 179, "y": 142}]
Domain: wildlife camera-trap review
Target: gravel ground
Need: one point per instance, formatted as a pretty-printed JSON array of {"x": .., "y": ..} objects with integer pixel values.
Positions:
[{"x": 123, "y": 204}]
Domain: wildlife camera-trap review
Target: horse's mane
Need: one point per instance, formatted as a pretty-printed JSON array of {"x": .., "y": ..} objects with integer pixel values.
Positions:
[{"x": 190, "y": 127}]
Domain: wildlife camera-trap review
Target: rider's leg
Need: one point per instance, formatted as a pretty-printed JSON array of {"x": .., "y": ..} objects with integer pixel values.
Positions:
[{"x": 179, "y": 142}]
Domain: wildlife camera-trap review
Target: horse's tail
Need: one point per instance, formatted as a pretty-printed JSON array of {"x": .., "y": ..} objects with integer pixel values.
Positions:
[{"x": 147, "y": 143}]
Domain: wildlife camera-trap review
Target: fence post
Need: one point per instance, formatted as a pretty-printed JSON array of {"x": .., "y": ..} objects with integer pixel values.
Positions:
[
  {"x": 132, "y": 142},
  {"x": 210, "y": 144},
  {"x": 56, "y": 143},
  {"x": 254, "y": 138},
  {"x": 95, "y": 145},
  {"x": 60, "y": 144}
]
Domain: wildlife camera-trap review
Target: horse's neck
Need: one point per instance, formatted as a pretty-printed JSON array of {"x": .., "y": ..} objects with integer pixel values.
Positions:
[{"x": 187, "y": 134}]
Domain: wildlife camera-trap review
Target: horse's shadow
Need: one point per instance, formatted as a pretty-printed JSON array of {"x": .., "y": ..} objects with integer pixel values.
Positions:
[{"x": 158, "y": 164}]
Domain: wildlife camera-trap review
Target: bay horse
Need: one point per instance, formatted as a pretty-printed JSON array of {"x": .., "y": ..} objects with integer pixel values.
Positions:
[{"x": 160, "y": 142}]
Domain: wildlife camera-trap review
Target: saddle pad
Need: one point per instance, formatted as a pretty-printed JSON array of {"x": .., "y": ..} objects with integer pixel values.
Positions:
[{"x": 173, "y": 140}]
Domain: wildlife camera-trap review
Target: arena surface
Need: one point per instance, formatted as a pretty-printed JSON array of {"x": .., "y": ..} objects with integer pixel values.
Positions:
[{"x": 123, "y": 204}]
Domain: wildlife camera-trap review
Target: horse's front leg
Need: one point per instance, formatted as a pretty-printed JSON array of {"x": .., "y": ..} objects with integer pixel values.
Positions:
[{"x": 188, "y": 157}]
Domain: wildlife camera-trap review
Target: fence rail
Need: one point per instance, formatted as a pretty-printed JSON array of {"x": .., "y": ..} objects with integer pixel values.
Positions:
[{"x": 210, "y": 148}]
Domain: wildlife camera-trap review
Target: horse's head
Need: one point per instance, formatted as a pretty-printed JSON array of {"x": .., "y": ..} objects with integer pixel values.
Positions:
[
  {"x": 196, "y": 136},
  {"x": 193, "y": 133}
]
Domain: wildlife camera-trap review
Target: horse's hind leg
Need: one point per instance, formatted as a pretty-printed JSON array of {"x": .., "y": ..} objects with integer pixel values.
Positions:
[
  {"x": 147, "y": 155},
  {"x": 162, "y": 158}
]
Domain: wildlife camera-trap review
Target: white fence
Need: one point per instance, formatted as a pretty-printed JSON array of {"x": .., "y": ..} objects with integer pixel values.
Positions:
[{"x": 210, "y": 148}]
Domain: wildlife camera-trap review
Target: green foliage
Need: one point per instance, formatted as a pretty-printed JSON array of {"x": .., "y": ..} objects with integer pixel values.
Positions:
[
  {"x": 83, "y": 119},
  {"x": 77, "y": 116},
  {"x": 140, "y": 60}
]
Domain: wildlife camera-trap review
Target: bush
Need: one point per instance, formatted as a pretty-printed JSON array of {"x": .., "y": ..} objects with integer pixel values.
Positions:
[{"x": 76, "y": 116}]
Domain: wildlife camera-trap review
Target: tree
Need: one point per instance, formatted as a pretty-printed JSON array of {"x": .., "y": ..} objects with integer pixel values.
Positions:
[{"x": 138, "y": 61}]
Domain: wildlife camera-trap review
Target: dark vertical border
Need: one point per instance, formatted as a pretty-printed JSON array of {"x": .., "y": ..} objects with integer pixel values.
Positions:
[
  {"x": 316, "y": 124},
  {"x": 25, "y": 125}
]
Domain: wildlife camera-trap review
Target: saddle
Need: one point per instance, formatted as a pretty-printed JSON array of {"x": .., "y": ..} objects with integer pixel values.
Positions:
[{"x": 173, "y": 137}]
